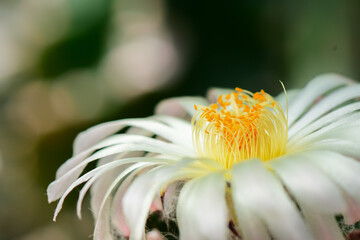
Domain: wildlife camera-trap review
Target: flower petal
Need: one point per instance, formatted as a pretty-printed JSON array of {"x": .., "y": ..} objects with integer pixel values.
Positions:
[
  {"x": 353, "y": 213},
  {"x": 251, "y": 225},
  {"x": 94, "y": 134},
  {"x": 323, "y": 121},
  {"x": 180, "y": 125},
  {"x": 346, "y": 147},
  {"x": 170, "y": 199},
  {"x": 290, "y": 94},
  {"x": 103, "y": 227},
  {"x": 101, "y": 170},
  {"x": 117, "y": 139},
  {"x": 325, "y": 105},
  {"x": 56, "y": 188},
  {"x": 180, "y": 106},
  {"x": 100, "y": 187},
  {"x": 117, "y": 213},
  {"x": 313, "y": 90},
  {"x": 324, "y": 227},
  {"x": 350, "y": 122},
  {"x": 138, "y": 198},
  {"x": 309, "y": 185},
  {"x": 259, "y": 191},
  {"x": 343, "y": 170},
  {"x": 202, "y": 210}
]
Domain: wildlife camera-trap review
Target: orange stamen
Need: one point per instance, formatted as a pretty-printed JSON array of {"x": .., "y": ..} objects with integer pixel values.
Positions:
[{"x": 235, "y": 120}]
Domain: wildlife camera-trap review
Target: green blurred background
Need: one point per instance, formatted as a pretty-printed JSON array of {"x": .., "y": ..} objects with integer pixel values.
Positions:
[{"x": 66, "y": 65}]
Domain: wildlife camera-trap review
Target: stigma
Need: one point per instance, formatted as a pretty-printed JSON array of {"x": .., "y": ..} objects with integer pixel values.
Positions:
[{"x": 241, "y": 125}]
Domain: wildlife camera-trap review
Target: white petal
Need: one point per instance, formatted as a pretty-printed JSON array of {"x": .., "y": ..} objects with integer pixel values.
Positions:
[
  {"x": 202, "y": 210},
  {"x": 112, "y": 140},
  {"x": 309, "y": 185},
  {"x": 98, "y": 180},
  {"x": 353, "y": 214},
  {"x": 56, "y": 188},
  {"x": 180, "y": 106},
  {"x": 180, "y": 125},
  {"x": 117, "y": 213},
  {"x": 346, "y": 147},
  {"x": 313, "y": 90},
  {"x": 101, "y": 185},
  {"x": 71, "y": 163},
  {"x": 324, "y": 227},
  {"x": 138, "y": 198},
  {"x": 94, "y": 134},
  {"x": 98, "y": 172},
  {"x": 323, "y": 121},
  {"x": 346, "y": 132},
  {"x": 251, "y": 225},
  {"x": 176, "y": 123},
  {"x": 291, "y": 95},
  {"x": 170, "y": 199},
  {"x": 257, "y": 189},
  {"x": 82, "y": 194},
  {"x": 99, "y": 188},
  {"x": 103, "y": 229},
  {"x": 343, "y": 170},
  {"x": 346, "y": 123},
  {"x": 102, "y": 225},
  {"x": 326, "y": 104}
]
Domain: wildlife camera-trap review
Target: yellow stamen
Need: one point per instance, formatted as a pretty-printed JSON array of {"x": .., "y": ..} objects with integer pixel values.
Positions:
[{"x": 239, "y": 127}]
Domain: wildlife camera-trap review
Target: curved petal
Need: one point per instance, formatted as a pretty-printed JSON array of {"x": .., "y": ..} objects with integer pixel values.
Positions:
[
  {"x": 97, "y": 172},
  {"x": 99, "y": 188},
  {"x": 117, "y": 213},
  {"x": 309, "y": 185},
  {"x": 180, "y": 106},
  {"x": 202, "y": 211},
  {"x": 251, "y": 225},
  {"x": 95, "y": 134},
  {"x": 343, "y": 170},
  {"x": 176, "y": 123},
  {"x": 353, "y": 213},
  {"x": 346, "y": 147},
  {"x": 103, "y": 227},
  {"x": 113, "y": 140},
  {"x": 324, "y": 121},
  {"x": 170, "y": 199},
  {"x": 312, "y": 91},
  {"x": 56, "y": 188},
  {"x": 349, "y": 122},
  {"x": 138, "y": 198},
  {"x": 323, "y": 226},
  {"x": 259, "y": 191},
  {"x": 291, "y": 95},
  {"x": 325, "y": 105}
]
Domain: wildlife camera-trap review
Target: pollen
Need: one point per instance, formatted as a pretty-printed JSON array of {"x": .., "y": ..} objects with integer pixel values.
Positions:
[{"x": 241, "y": 125}]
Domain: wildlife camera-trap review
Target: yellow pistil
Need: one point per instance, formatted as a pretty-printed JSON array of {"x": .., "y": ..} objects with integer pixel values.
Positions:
[{"x": 241, "y": 125}]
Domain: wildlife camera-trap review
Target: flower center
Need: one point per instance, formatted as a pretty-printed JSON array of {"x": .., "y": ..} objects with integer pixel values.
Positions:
[{"x": 241, "y": 125}]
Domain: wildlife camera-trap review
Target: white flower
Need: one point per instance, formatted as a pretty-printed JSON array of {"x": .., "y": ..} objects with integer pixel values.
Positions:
[{"x": 245, "y": 168}]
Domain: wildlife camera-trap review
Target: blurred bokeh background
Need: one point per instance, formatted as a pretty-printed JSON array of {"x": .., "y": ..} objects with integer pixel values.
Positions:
[{"x": 66, "y": 65}]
